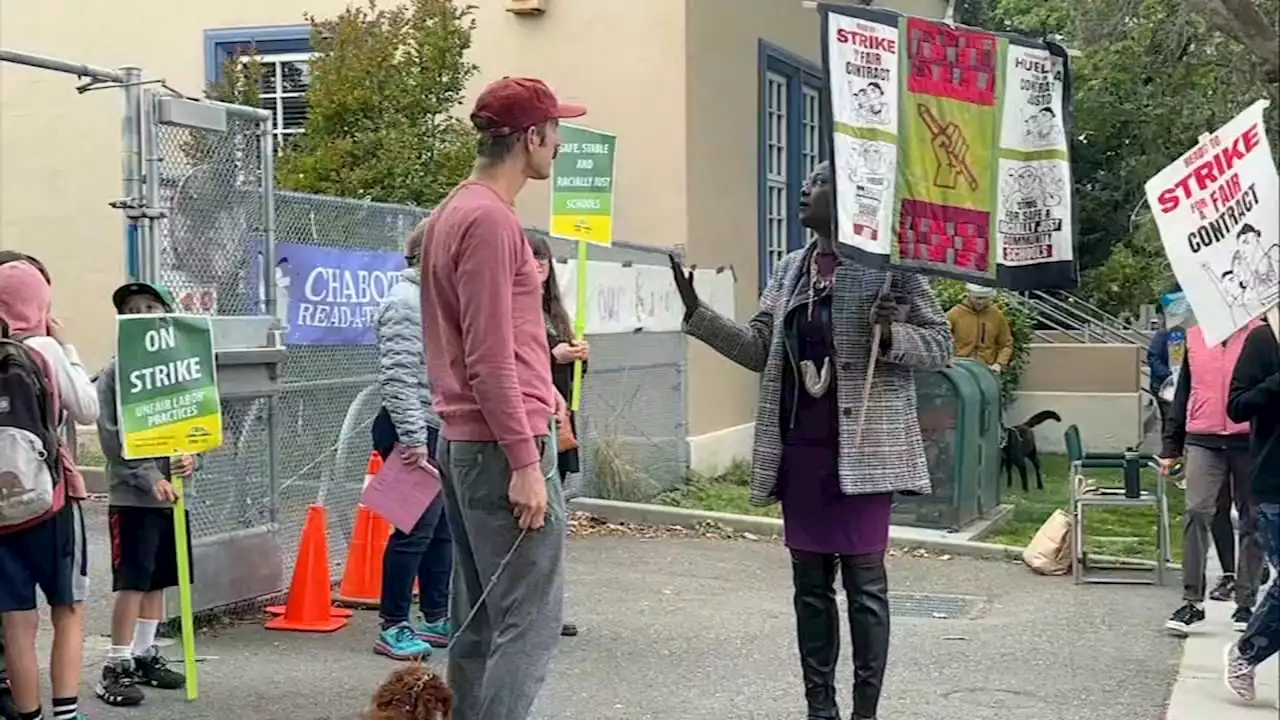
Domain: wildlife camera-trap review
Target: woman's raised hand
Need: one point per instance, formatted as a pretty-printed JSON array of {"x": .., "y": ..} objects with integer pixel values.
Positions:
[{"x": 684, "y": 285}]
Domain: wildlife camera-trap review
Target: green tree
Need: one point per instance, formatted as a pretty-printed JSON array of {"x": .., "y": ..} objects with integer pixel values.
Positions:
[
  {"x": 1150, "y": 76},
  {"x": 381, "y": 124},
  {"x": 1136, "y": 274}
]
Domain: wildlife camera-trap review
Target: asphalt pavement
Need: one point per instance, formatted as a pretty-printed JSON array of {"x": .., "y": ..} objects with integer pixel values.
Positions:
[{"x": 701, "y": 629}]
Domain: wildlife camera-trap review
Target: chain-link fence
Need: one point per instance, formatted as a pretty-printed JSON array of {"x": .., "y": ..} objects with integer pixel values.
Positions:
[
  {"x": 203, "y": 218},
  {"x": 213, "y": 251},
  {"x": 632, "y": 423}
]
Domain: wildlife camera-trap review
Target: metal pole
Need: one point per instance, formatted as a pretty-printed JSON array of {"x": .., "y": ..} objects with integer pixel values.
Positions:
[
  {"x": 266, "y": 148},
  {"x": 131, "y": 168},
  {"x": 150, "y": 189},
  {"x": 70, "y": 68}
]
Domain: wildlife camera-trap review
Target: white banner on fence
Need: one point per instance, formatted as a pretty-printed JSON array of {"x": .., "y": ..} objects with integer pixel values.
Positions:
[
  {"x": 627, "y": 298},
  {"x": 1216, "y": 210}
]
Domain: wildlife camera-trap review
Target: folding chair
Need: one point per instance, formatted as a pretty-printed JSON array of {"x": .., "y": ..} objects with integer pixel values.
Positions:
[{"x": 1086, "y": 493}]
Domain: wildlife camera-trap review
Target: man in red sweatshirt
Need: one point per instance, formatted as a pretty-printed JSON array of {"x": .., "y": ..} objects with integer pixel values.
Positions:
[{"x": 487, "y": 362}]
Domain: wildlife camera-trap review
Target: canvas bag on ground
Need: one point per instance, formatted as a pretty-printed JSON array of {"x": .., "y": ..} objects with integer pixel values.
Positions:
[{"x": 1049, "y": 552}]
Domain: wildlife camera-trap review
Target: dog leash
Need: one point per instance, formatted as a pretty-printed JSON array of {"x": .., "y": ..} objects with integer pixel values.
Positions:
[
  {"x": 493, "y": 580},
  {"x": 497, "y": 574}
]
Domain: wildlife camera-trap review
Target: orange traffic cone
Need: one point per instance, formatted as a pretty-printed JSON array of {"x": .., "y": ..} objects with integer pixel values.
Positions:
[
  {"x": 362, "y": 577},
  {"x": 373, "y": 468},
  {"x": 308, "y": 608}
]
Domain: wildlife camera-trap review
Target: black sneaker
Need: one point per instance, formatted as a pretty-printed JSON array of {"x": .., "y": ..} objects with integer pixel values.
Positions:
[
  {"x": 119, "y": 685},
  {"x": 1225, "y": 590},
  {"x": 8, "y": 710},
  {"x": 154, "y": 670},
  {"x": 1184, "y": 618},
  {"x": 1240, "y": 619}
]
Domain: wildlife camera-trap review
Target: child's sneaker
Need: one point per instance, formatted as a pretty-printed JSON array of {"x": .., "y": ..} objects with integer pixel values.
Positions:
[
  {"x": 119, "y": 685},
  {"x": 153, "y": 670},
  {"x": 401, "y": 642},
  {"x": 437, "y": 634},
  {"x": 1239, "y": 675}
]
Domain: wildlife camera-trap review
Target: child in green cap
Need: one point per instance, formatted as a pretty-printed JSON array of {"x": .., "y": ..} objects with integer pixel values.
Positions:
[{"x": 144, "y": 556}]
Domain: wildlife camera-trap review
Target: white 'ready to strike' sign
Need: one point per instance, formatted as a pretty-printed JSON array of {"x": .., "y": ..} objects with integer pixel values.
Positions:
[{"x": 1215, "y": 208}]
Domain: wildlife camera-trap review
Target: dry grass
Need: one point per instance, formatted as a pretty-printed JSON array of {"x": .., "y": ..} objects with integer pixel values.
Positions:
[{"x": 617, "y": 474}]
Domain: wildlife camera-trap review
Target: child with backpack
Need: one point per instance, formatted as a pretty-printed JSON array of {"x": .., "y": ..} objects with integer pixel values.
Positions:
[
  {"x": 7, "y": 709},
  {"x": 144, "y": 553},
  {"x": 42, "y": 542}
]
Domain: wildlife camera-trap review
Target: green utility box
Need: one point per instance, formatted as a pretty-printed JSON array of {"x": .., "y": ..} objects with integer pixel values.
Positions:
[
  {"x": 991, "y": 428},
  {"x": 949, "y": 404}
]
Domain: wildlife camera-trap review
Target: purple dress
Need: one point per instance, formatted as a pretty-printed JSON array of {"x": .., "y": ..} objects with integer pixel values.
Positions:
[{"x": 817, "y": 516}]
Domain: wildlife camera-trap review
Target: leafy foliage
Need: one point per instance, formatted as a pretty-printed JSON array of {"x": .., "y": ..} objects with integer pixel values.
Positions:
[
  {"x": 1021, "y": 322},
  {"x": 385, "y": 84},
  {"x": 1150, "y": 77},
  {"x": 384, "y": 87},
  {"x": 1137, "y": 273}
]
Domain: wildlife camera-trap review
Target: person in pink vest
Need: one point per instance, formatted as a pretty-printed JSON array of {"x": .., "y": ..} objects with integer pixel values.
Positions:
[{"x": 1216, "y": 450}]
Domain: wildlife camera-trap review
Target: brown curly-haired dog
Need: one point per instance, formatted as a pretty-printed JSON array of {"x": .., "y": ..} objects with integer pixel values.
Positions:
[{"x": 412, "y": 693}]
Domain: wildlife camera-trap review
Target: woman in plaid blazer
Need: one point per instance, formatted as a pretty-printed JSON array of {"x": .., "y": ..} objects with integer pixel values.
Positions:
[{"x": 811, "y": 343}]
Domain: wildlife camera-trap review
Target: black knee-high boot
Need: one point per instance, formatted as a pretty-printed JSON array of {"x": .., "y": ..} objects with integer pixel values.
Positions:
[
  {"x": 867, "y": 586},
  {"x": 818, "y": 630}
]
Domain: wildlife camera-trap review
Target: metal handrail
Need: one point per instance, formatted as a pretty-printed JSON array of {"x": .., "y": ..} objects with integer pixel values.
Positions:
[
  {"x": 1042, "y": 334},
  {"x": 1066, "y": 314},
  {"x": 1109, "y": 327},
  {"x": 1138, "y": 335}
]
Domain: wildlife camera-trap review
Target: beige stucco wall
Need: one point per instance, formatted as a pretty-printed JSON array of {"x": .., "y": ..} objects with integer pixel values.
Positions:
[
  {"x": 633, "y": 87},
  {"x": 681, "y": 92},
  {"x": 60, "y": 158}
]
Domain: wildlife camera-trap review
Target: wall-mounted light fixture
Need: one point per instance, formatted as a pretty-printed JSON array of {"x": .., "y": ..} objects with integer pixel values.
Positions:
[{"x": 527, "y": 7}]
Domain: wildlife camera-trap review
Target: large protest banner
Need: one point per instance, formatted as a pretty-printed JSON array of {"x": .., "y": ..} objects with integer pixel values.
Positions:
[
  {"x": 950, "y": 149},
  {"x": 1216, "y": 208}
]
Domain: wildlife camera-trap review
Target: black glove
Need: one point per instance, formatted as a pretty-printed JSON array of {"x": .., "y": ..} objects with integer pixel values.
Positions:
[
  {"x": 889, "y": 308},
  {"x": 684, "y": 285}
]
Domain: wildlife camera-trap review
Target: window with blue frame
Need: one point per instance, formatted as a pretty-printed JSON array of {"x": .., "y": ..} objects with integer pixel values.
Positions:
[
  {"x": 791, "y": 145},
  {"x": 284, "y": 53}
]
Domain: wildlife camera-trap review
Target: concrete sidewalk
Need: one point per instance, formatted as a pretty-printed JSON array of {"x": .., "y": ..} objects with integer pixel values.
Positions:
[
  {"x": 1200, "y": 692},
  {"x": 701, "y": 629}
]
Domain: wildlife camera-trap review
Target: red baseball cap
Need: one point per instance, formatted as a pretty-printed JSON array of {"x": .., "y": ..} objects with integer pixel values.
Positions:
[{"x": 511, "y": 105}]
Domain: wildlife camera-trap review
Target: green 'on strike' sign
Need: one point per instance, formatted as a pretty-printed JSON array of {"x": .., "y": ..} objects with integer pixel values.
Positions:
[{"x": 166, "y": 386}]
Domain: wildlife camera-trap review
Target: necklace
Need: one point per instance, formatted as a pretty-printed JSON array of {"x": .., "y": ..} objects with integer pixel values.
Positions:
[
  {"x": 818, "y": 283},
  {"x": 816, "y": 381}
]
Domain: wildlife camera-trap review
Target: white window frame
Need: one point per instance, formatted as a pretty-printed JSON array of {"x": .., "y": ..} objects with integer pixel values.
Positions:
[
  {"x": 810, "y": 127},
  {"x": 274, "y": 101},
  {"x": 777, "y": 214}
]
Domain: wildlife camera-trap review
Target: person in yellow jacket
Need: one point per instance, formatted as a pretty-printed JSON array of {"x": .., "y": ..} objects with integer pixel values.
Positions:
[{"x": 980, "y": 330}]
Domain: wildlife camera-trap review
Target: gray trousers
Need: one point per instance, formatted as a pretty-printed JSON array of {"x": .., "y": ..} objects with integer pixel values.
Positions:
[
  {"x": 498, "y": 663},
  {"x": 1207, "y": 471}
]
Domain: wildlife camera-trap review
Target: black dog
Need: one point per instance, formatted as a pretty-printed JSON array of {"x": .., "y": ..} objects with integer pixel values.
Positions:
[{"x": 1018, "y": 447}]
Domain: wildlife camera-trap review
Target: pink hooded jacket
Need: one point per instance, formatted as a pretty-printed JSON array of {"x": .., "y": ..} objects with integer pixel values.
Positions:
[{"x": 25, "y": 300}]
